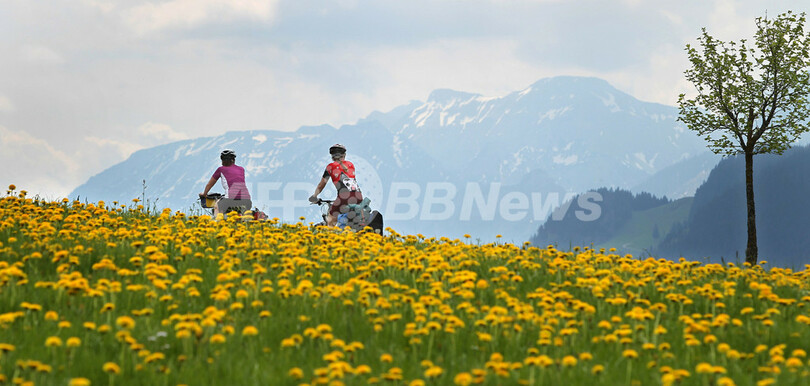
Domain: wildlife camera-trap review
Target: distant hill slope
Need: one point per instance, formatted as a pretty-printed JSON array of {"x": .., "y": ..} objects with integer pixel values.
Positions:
[
  {"x": 621, "y": 217},
  {"x": 680, "y": 179},
  {"x": 716, "y": 227},
  {"x": 645, "y": 229}
]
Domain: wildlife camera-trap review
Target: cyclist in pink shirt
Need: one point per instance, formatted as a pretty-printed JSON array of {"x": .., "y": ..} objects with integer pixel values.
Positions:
[{"x": 238, "y": 197}]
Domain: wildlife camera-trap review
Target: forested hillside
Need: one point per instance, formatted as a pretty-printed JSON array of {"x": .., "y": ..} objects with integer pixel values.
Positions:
[
  {"x": 578, "y": 227},
  {"x": 716, "y": 227},
  {"x": 712, "y": 225}
]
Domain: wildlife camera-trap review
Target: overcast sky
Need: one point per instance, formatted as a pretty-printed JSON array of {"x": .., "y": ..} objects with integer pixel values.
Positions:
[{"x": 84, "y": 83}]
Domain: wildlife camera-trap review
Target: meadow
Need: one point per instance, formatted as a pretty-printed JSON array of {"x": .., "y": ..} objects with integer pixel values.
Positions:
[{"x": 110, "y": 293}]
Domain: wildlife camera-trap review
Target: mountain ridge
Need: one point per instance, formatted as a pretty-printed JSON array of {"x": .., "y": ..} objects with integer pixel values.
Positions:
[{"x": 494, "y": 143}]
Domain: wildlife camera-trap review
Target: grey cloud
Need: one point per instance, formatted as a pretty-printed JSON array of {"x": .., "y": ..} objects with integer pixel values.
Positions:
[{"x": 80, "y": 71}]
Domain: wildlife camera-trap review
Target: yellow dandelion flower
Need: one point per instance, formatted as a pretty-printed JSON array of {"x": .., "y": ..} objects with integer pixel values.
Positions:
[
  {"x": 725, "y": 381},
  {"x": 53, "y": 341},
  {"x": 746, "y": 310},
  {"x": 585, "y": 356},
  {"x": 433, "y": 372},
  {"x": 183, "y": 334},
  {"x": 154, "y": 357},
  {"x": 31, "y": 306},
  {"x": 217, "y": 338},
  {"x": 484, "y": 337},
  {"x": 630, "y": 354},
  {"x": 79, "y": 382},
  {"x": 704, "y": 368},
  {"x": 125, "y": 322},
  {"x": 296, "y": 373},
  {"x": 597, "y": 369},
  {"x": 111, "y": 367},
  {"x": 569, "y": 361},
  {"x": 362, "y": 369},
  {"x": 387, "y": 358},
  {"x": 250, "y": 331},
  {"x": 463, "y": 379},
  {"x": 793, "y": 362},
  {"x": 73, "y": 342}
]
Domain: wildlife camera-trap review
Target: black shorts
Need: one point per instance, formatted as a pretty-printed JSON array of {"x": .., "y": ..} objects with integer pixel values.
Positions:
[
  {"x": 343, "y": 200},
  {"x": 226, "y": 205}
]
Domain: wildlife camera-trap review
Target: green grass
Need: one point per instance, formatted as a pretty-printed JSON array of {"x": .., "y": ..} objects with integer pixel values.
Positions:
[
  {"x": 486, "y": 313},
  {"x": 636, "y": 236}
]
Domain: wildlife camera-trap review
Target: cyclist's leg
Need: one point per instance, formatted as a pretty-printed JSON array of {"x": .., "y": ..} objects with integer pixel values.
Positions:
[
  {"x": 354, "y": 218},
  {"x": 216, "y": 208},
  {"x": 245, "y": 205},
  {"x": 334, "y": 211}
]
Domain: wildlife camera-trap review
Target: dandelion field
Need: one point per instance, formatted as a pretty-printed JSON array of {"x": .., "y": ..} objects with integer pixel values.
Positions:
[{"x": 112, "y": 294}]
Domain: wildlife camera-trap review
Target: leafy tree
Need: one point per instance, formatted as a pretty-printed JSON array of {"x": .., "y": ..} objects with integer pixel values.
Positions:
[{"x": 752, "y": 99}]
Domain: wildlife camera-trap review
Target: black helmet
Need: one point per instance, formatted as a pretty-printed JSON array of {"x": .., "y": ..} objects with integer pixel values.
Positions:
[
  {"x": 227, "y": 153},
  {"x": 337, "y": 149}
]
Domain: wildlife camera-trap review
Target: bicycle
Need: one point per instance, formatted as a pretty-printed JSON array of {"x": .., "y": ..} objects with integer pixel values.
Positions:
[
  {"x": 358, "y": 217},
  {"x": 212, "y": 200}
]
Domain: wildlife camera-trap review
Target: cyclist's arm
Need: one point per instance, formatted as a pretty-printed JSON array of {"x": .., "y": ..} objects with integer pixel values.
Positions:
[
  {"x": 208, "y": 186},
  {"x": 320, "y": 186}
]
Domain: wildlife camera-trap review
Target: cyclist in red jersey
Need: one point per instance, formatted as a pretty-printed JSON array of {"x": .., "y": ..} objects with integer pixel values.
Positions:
[{"x": 341, "y": 172}]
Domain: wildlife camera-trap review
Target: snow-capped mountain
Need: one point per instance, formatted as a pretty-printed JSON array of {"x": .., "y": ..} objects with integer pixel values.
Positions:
[
  {"x": 582, "y": 131},
  {"x": 458, "y": 163}
]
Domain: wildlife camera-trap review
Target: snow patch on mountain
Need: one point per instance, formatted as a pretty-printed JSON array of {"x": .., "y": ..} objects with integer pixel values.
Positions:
[
  {"x": 553, "y": 113},
  {"x": 282, "y": 141},
  {"x": 444, "y": 120},
  {"x": 524, "y": 93},
  {"x": 260, "y": 138},
  {"x": 397, "y": 150},
  {"x": 610, "y": 102},
  {"x": 643, "y": 163},
  {"x": 565, "y": 160},
  {"x": 420, "y": 117}
]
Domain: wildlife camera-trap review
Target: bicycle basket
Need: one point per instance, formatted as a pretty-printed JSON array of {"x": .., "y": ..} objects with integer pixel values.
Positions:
[{"x": 210, "y": 200}]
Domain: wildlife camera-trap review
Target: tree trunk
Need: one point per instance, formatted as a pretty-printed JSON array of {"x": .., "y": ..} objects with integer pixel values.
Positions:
[{"x": 751, "y": 249}]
